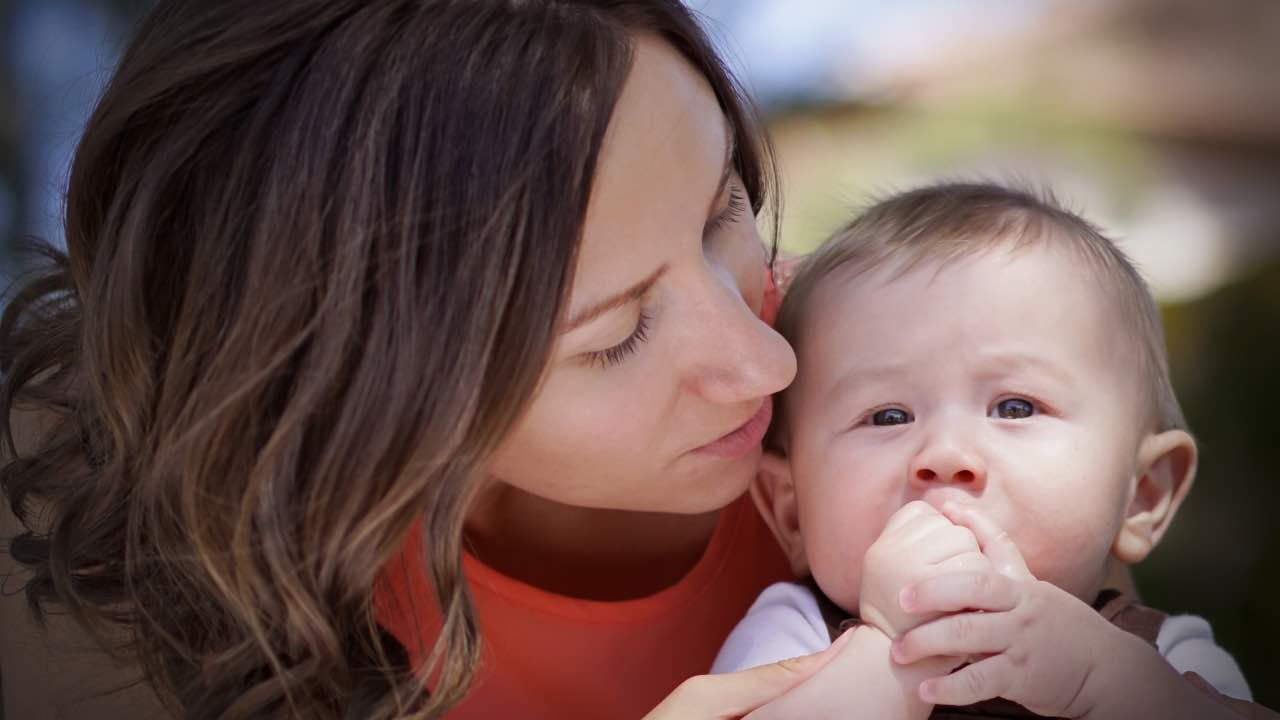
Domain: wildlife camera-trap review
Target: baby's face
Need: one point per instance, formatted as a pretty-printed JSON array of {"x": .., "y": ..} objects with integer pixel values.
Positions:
[{"x": 999, "y": 381}]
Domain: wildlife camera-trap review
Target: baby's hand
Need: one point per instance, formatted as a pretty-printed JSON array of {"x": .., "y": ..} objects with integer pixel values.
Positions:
[
  {"x": 1034, "y": 643},
  {"x": 917, "y": 543}
]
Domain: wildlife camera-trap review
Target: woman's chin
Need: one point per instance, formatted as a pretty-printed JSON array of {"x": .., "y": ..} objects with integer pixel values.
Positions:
[{"x": 713, "y": 482}]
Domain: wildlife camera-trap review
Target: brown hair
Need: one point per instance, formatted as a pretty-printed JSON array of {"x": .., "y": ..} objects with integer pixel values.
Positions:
[
  {"x": 948, "y": 221},
  {"x": 316, "y": 255}
]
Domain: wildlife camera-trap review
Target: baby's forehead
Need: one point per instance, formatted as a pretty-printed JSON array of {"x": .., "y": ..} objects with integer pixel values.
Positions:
[
  {"x": 1032, "y": 296},
  {"x": 1008, "y": 272}
]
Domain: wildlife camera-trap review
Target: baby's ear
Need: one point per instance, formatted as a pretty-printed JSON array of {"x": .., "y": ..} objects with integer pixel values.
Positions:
[
  {"x": 775, "y": 496},
  {"x": 1165, "y": 471}
]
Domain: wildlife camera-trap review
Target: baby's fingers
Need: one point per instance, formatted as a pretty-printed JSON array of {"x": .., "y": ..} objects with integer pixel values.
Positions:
[
  {"x": 916, "y": 509},
  {"x": 964, "y": 562},
  {"x": 984, "y": 680},
  {"x": 956, "y": 591},
  {"x": 961, "y": 635},
  {"x": 994, "y": 541}
]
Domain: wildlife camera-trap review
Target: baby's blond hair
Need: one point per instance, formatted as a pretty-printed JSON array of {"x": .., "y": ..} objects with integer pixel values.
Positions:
[{"x": 948, "y": 221}]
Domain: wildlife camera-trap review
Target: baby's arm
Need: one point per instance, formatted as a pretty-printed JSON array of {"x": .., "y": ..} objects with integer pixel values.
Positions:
[
  {"x": 1038, "y": 645},
  {"x": 862, "y": 681},
  {"x": 785, "y": 622}
]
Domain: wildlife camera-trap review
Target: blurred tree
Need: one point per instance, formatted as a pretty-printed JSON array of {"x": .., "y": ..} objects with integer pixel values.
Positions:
[{"x": 1222, "y": 557}]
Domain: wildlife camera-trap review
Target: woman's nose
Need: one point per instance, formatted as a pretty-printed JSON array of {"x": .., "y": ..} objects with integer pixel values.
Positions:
[
  {"x": 735, "y": 356},
  {"x": 948, "y": 458}
]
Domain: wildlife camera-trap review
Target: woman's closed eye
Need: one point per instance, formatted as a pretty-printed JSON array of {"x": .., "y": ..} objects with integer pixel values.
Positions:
[
  {"x": 612, "y": 356},
  {"x": 733, "y": 210}
]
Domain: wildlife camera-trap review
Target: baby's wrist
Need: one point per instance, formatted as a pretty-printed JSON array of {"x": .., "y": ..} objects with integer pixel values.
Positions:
[
  {"x": 1128, "y": 678},
  {"x": 873, "y": 616}
]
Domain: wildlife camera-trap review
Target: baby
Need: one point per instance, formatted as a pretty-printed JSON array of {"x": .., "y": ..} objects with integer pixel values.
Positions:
[{"x": 981, "y": 436}]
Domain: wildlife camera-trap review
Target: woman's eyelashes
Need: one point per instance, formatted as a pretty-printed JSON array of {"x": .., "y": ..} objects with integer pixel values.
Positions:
[
  {"x": 612, "y": 356},
  {"x": 732, "y": 211}
]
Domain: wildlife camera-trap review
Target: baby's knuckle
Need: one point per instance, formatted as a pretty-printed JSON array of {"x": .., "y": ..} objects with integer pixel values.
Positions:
[
  {"x": 916, "y": 506},
  {"x": 975, "y": 680},
  {"x": 981, "y": 583},
  {"x": 873, "y": 556},
  {"x": 1025, "y": 621}
]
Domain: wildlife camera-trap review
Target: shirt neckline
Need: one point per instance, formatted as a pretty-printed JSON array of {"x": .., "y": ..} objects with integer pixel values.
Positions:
[{"x": 707, "y": 568}]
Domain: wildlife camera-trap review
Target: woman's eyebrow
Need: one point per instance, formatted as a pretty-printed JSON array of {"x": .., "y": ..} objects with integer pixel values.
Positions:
[{"x": 613, "y": 302}]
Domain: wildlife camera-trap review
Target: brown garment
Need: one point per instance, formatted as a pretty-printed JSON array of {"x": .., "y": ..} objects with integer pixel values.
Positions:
[{"x": 1113, "y": 605}]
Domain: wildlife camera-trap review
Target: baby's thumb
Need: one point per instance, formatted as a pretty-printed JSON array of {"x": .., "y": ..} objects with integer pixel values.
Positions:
[{"x": 994, "y": 541}]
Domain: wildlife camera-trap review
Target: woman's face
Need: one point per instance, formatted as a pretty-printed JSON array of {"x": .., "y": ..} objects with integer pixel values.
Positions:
[{"x": 658, "y": 390}]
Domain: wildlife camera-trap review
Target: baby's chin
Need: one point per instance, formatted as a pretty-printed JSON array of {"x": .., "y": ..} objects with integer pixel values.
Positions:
[
  {"x": 844, "y": 599},
  {"x": 1086, "y": 586}
]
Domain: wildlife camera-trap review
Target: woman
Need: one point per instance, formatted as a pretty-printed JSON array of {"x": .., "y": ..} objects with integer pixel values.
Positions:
[{"x": 352, "y": 286}]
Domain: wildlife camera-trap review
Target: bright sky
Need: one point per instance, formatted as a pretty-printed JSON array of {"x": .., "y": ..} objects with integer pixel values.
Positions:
[{"x": 785, "y": 49}]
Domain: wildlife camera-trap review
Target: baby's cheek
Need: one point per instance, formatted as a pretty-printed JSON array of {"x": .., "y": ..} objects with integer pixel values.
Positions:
[
  {"x": 1070, "y": 555},
  {"x": 836, "y": 553}
]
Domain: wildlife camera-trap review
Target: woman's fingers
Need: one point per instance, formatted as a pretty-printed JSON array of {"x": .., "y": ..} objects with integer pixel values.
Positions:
[
  {"x": 732, "y": 695},
  {"x": 962, "y": 635},
  {"x": 957, "y": 591},
  {"x": 994, "y": 541},
  {"x": 983, "y": 680}
]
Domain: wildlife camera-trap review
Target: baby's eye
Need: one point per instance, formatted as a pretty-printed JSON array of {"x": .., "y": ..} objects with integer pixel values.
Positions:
[
  {"x": 1014, "y": 409},
  {"x": 891, "y": 416}
]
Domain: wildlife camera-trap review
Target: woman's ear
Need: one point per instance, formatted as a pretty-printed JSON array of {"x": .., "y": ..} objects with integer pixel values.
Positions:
[
  {"x": 1165, "y": 471},
  {"x": 775, "y": 496}
]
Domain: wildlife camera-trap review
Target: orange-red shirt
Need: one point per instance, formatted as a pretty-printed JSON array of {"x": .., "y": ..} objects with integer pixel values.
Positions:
[{"x": 551, "y": 656}]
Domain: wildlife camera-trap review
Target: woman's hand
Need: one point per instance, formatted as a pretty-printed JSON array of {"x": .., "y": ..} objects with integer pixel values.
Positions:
[{"x": 734, "y": 695}]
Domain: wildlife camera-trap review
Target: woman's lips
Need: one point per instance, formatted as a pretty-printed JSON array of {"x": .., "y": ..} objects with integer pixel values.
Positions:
[{"x": 746, "y": 438}]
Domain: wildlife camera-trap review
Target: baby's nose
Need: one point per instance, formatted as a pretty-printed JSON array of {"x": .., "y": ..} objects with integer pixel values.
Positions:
[{"x": 948, "y": 465}]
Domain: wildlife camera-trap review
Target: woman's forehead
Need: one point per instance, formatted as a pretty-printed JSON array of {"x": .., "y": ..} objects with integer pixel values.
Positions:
[{"x": 658, "y": 171}]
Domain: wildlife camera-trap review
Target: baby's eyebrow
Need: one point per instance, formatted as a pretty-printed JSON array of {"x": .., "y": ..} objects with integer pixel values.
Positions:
[
  {"x": 1002, "y": 362},
  {"x": 853, "y": 376}
]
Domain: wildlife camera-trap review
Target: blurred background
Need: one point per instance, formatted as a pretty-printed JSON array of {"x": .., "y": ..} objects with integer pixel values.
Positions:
[{"x": 1157, "y": 119}]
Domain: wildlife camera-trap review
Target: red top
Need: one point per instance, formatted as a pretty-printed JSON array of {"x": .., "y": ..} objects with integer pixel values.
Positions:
[
  {"x": 552, "y": 656},
  {"x": 557, "y": 657}
]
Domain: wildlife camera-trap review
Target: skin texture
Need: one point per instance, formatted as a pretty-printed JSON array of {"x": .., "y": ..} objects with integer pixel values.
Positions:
[
  {"x": 1074, "y": 484},
  {"x": 604, "y": 470}
]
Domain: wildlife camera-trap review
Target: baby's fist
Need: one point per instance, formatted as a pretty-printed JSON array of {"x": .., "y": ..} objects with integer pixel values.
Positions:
[{"x": 917, "y": 542}]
